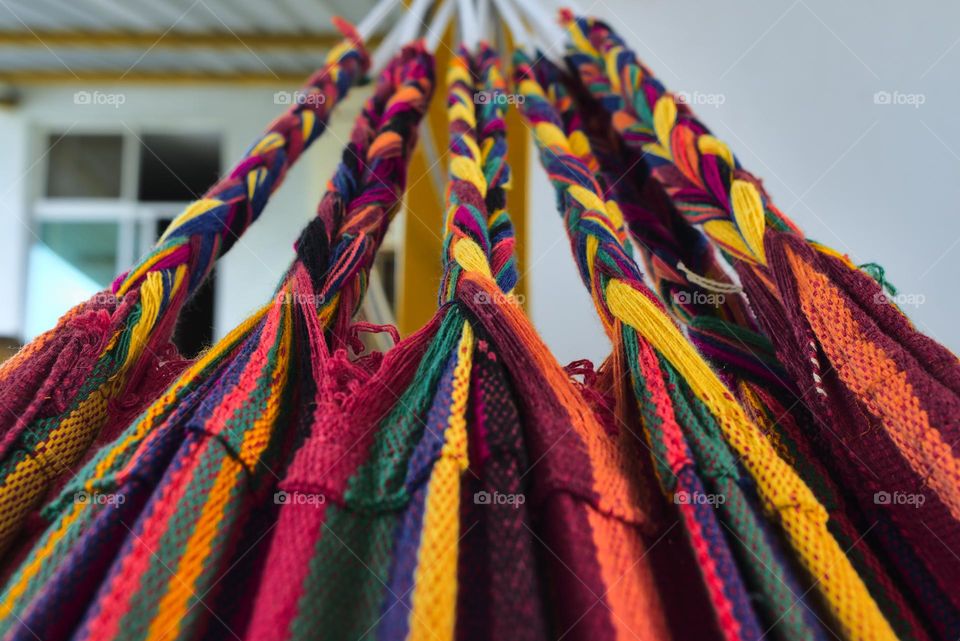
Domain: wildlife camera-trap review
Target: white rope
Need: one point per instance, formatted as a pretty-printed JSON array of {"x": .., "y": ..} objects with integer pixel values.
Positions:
[
  {"x": 402, "y": 33},
  {"x": 709, "y": 284},
  {"x": 549, "y": 37},
  {"x": 469, "y": 27},
  {"x": 518, "y": 31},
  {"x": 380, "y": 11}
]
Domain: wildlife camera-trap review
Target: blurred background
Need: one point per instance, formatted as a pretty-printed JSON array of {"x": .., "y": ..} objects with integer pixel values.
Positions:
[{"x": 116, "y": 114}]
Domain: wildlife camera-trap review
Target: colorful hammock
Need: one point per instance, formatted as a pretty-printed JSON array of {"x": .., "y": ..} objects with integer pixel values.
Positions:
[
  {"x": 464, "y": 485},
  {"x": 769, "y": 579},
  {"x": 165, "y": 507},
  {"x": 108, "y": 358},
  {"x": 888, "y": 396},
  {"x": 718, "y": 322},
  {"x": 675, "y": 387},
  {"x": 403, "y": 547}
]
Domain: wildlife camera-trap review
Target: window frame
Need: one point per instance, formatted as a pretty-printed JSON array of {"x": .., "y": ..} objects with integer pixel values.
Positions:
[{"x": 137, "y": 220}]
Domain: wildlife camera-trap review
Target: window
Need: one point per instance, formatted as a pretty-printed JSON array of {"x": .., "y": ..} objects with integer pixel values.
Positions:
[
  {"x": 104, "y": 201},
  {"x": 84, "y": 166},
  {"x": 177, "y": 167}
]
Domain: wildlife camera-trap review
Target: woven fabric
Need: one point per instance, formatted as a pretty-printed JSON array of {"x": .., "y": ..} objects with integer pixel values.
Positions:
[
  {"x": 190, "y": 471},
  {"x": 683, "y": 268},
  {"x": 853, "y": 357},
  {"x": 774, "y": 588},
  {"x": 108, "y": 358},
  {"x": 597, "y": 238},
  {"x": 505, "y": 563}
]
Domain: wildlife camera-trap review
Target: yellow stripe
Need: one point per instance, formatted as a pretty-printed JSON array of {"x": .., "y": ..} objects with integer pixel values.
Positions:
[
  {"x": 195, "y": 209},
  {"x": 63, "y": 447},
  {"x": 181, "y": 587},
  {"x": 783, "y": 492},
  {"x": 434, "y": 600},
  {"x": 748, "y": 212},
  {"x": 35, "y": 564}
]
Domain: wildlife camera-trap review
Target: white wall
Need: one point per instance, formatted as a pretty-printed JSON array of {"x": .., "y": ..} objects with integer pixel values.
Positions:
[
  {"x": 13, "y": 241},
  {"x": 798, "y": 79}
]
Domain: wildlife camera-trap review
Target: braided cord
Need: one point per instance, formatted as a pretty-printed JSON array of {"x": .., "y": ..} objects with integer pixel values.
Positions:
[
  {"x": 208, "y": 227},
  {"x": 375, "y": 161},
  {"x": 770, "y": 578},
  {"x": 338, "y": 248},
  {"x": 596, "y": 236},
  {"x": 834, "y": 328},
  {"x": 149, "y": 296},
  {"x": 478, "y": 233},
  {"x": 476, "y": 243},
  {"x": 679, "y": 261},
  {"x": 707, "y": 183}
]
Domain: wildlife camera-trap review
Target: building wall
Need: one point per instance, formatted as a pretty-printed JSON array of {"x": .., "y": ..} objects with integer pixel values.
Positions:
[{"x": 249, "y": 273}]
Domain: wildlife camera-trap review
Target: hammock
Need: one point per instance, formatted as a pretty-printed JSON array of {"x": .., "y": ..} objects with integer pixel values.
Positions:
[
  {"x": 856, "y": 367},
  {"x": 185, "y": 479},
  {"x": 110, "y": 357},
  {"x": 463, "y": 485},
  {"x": 719, "y": 323},
  {"x": 674, "y": 386},
  {"x": 403, "y": 547}
]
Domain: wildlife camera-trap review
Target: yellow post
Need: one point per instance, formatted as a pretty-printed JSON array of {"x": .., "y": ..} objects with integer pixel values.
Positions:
[{"x": 420, "y": 254}]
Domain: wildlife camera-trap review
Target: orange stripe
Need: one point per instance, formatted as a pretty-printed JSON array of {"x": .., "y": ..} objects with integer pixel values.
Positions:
[{"x": 878, "y": 381}]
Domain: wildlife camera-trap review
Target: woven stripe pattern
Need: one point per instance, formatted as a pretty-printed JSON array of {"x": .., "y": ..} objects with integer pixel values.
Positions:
[
  {"x": 597, "y": 238},
  {"x": 853, "y": 357},
  {"x": 203, "y": 456},
  {"x": 72, "y": 382}
]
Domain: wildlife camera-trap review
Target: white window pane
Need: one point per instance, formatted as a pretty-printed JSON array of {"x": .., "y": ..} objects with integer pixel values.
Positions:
[{"x": 70, "y": 263}]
